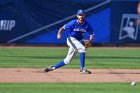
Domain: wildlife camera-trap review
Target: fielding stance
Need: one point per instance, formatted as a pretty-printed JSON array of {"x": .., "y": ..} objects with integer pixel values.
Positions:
[{"x": 77, "y": 30}]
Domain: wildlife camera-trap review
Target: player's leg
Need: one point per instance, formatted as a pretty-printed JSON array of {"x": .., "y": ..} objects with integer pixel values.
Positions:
[
  {"x": 68, "y": 59},
  {"x": 70, "y": 55},
  {"x": 82, "y": 50},
  {"x": 82, "y": 60}
]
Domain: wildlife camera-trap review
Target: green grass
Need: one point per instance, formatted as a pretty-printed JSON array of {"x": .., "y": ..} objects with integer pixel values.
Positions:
[
  {"x": 68, "y": 88},
  {"x": 95, "y": 57}
]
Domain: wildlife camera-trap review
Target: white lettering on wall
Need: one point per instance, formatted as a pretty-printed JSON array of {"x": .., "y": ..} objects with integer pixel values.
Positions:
[{"x": 7, "y": 25}]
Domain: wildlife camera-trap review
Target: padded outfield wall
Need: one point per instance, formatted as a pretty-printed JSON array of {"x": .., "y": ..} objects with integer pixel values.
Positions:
[{"x": 38, "y": 21}]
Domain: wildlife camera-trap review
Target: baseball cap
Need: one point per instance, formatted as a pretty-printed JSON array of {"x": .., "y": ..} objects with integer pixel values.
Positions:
[{"x": 80, "y": 12}]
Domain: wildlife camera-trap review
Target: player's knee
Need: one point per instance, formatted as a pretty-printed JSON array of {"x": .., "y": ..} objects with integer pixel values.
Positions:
[
  {"x": 82, "y": 50},
  {"x": 66, "y": 61}
]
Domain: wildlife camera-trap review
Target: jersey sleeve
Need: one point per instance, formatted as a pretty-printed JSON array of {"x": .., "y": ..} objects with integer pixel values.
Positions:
[
  {"x": 68, "y": 25},
  {"x": 90, "y": 30}
]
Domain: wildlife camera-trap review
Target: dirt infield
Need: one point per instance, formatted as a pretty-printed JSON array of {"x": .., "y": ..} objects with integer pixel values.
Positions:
[{"x": 68, "y": 75}]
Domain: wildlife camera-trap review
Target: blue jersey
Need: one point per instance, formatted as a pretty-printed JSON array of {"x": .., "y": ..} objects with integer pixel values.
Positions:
[{"x": 78, "y": 30}]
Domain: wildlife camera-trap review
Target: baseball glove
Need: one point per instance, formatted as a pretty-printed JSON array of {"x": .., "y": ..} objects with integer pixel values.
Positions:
[{"x": 87, "y": 43}]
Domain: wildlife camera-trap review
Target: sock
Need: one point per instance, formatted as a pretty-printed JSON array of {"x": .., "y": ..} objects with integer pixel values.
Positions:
[
  {"x": 60, "y": 64},
  {"x": 82, "y": 60}
]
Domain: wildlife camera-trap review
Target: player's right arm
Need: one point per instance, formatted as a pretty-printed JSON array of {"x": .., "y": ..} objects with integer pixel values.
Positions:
[
  {"x": 59, "y": 33},
  {"x": 66, "y": 26}
]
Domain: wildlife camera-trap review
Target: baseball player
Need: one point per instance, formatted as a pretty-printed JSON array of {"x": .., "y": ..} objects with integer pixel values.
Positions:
[{"x": 77, "y": 28}]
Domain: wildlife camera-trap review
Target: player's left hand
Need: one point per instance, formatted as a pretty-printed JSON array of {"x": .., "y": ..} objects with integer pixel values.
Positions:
[{"x": 87, "y": 43}]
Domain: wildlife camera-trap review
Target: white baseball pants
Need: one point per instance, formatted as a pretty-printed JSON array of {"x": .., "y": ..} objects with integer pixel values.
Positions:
[{"x": 74, "y": 47}]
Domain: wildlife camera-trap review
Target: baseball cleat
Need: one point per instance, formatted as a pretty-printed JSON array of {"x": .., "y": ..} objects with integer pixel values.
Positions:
[
  {"x": 85, "y": 71},
  {"x": 51, "y": 68}
]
